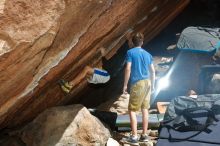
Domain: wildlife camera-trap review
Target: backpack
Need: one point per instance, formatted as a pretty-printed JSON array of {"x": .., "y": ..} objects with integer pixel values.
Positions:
[{"x": 190, "y": 122}]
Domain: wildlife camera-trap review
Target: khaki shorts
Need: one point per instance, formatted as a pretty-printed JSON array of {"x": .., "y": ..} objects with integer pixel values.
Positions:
[{"x": 140, "y": 95}]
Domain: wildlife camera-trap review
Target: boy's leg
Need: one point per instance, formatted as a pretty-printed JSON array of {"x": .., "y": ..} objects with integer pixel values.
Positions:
[
  {"x": 64, "y": 86},
  {"x": 133, "y": 138},
  {"x": 89, "y": 71},
  {"x": 144, "y": 108},
  {"x": 67, "y": 86},
  {"x": 133, "y": 120},
  {"x": 137, "y": 95},
  {"x": 133, "y": 106},
  {"x": 86, "y": 72},
  {"x": 145, "y": 120}
]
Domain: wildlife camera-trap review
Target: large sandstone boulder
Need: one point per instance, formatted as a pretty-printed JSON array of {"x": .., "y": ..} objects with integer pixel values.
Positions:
[
  {"x": 66, "y": 126},
  {"x": 42, "y": 41}
]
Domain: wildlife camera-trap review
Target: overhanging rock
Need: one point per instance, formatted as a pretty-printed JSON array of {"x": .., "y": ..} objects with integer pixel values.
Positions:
[{"x": 43, "y": 41}]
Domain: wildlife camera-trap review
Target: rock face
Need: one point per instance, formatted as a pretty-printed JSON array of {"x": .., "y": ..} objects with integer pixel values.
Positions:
[
  {"x": 65, "y": 126},
  {"x": 119, "y": 105},
  {"x": 11, "y": 141},
  {"x": 42, "y": 41}
]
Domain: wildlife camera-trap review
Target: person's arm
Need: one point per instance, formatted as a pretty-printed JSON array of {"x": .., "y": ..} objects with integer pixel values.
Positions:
[
  {"x": 152, "y": 76},
  {"x": 126, "y": 76}
]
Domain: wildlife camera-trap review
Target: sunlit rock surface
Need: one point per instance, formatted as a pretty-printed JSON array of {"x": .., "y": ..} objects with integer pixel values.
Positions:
[
  {"x": 42, "y": 41},
  {"x": 65, "y": 126},
  {"x": 119, "y": 105}
]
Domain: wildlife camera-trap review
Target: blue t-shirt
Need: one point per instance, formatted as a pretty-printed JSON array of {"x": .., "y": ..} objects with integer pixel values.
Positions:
[{"x": 140, "y": 62}]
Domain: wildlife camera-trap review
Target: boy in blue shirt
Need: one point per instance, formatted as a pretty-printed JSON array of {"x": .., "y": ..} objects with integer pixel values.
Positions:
[{"x": 141, "y": 74}]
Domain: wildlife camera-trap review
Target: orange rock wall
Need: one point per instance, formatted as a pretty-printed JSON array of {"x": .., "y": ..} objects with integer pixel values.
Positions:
[{"x": 42, "y": 41}]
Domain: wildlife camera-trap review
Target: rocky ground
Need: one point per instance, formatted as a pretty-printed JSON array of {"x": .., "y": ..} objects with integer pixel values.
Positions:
[{"x": 119, "y": 106}]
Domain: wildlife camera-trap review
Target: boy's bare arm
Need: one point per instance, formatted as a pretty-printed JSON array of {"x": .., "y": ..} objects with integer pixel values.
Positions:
[
  {"x": 152, "y": 75},
  {"x": 126, "y": 76}
]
